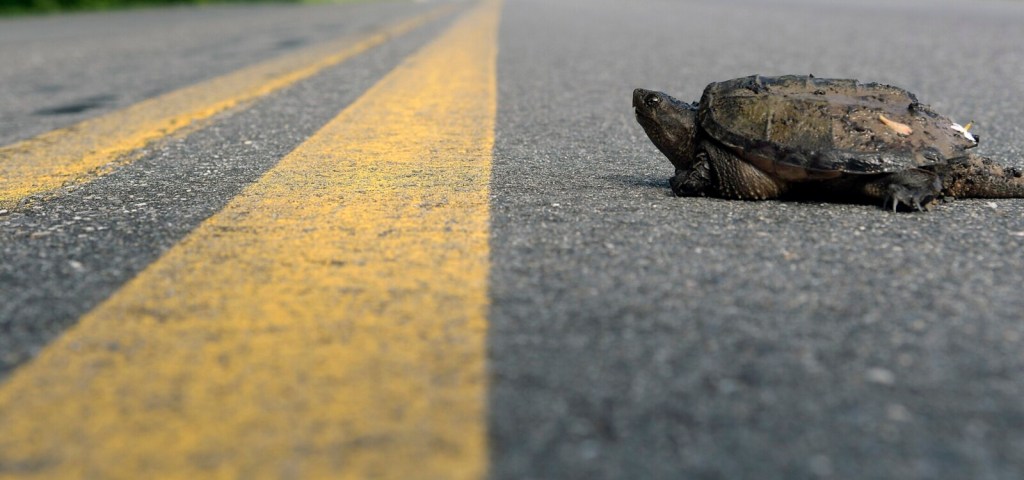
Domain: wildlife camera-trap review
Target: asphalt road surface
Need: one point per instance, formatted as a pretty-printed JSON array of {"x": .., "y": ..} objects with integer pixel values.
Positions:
[{"x": 625, "y": 333}]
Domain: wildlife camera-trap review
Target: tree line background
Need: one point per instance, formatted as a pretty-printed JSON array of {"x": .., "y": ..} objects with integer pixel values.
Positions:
[{"x": 30, "y": 6}]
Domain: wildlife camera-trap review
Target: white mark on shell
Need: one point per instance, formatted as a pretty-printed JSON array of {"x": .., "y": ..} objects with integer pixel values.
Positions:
[{"x": 964, "y": 131}]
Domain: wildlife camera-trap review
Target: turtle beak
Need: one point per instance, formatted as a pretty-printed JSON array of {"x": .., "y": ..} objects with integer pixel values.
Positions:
[{"x": 638, "y": 97}]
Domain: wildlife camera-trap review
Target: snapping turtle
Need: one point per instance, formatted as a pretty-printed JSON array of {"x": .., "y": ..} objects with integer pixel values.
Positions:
[{"x": 768, "y": 137}]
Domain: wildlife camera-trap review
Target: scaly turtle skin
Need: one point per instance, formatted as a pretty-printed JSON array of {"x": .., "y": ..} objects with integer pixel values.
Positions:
[{"x": 767, "y": 137}]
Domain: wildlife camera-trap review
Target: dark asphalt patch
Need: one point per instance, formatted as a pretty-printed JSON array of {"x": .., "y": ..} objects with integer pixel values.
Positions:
[{"x": 78, "y": 106}]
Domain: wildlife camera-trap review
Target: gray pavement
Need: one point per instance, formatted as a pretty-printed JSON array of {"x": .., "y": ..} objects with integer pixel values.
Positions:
[
  {"x": 632, "y": 334},
  {"x": 637, "y": 335}
]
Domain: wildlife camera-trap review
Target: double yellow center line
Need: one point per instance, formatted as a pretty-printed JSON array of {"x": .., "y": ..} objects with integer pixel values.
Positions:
[
  {"x": 79, "y": 152},
  {"x": 328, "y": 323}
]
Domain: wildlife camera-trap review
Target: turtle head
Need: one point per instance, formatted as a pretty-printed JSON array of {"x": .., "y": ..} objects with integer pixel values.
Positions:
[{"x": 669, "y": 123}]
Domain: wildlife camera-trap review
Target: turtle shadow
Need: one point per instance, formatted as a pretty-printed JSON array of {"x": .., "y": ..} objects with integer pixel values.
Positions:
[
  {"x": 660, "y": 183},
  {"x": 813, "y": 198}
]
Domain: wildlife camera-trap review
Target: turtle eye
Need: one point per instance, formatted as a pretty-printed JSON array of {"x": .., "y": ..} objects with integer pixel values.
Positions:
[{"x": 652, "y": 100}]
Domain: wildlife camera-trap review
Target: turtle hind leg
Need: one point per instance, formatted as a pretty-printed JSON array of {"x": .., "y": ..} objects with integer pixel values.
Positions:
[{"x": 916, "y": 189}]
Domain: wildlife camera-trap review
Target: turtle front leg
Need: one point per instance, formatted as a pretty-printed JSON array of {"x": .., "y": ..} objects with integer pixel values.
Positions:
[
  {"x": 914, "y": 188},
  {"x": 694, "y": 181}
]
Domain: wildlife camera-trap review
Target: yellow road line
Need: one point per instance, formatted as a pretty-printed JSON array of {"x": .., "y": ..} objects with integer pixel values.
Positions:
[
  {"x": 81, "y": 151},
  {"x": 328, "y": 323}
]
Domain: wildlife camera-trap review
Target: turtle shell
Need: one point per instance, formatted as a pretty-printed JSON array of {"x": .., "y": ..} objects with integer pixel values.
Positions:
[{"x": 794, "y": 126}]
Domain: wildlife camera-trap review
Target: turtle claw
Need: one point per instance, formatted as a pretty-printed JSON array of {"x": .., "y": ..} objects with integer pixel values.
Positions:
[
  {"x": 914, "y": 199},
  {"x": 693, "y": 182},
  {"x": 915, "y": 189}
]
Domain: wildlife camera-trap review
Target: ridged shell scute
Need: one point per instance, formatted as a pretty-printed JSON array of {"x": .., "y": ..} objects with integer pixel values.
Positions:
[{"x": 813, "y": 124}]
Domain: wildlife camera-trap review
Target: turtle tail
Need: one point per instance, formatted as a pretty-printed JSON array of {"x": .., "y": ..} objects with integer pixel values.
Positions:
[{"x": 975, "y": 176}]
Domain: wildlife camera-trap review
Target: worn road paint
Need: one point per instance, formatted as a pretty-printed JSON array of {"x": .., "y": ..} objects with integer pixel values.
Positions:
[
  {"x": 328, "y": 323},
  {"x": 73, "y": 154}
]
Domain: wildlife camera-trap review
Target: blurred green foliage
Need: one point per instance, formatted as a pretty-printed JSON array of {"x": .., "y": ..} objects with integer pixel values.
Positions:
[{"x": 30, "y": 6}]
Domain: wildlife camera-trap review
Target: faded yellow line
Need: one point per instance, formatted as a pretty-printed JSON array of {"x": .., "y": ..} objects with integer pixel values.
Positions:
[
  {"x": 328, "y": 323},
  {"x": 84, "y": 150}
]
